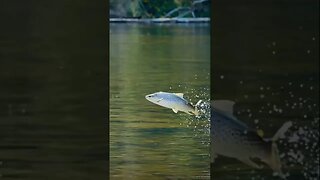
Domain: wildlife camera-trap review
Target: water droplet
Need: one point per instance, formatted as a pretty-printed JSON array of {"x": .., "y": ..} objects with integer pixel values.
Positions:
[
  {"x": 221, "y": 77},
  {"x": 275, "y": 108}
]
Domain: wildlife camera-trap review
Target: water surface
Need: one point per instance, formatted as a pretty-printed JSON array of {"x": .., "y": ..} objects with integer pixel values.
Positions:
[{"x": 146, "y": 140}]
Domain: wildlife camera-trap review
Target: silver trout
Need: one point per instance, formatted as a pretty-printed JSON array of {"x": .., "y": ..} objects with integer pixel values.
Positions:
[{"x": 174, "y": 101}]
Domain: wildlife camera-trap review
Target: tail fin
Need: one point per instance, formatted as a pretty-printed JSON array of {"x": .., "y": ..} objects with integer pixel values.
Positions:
[
  {"x": 275, "y": 162},
  {"x": 280, "y": 133},
  {"x": 196, "y": 109}
]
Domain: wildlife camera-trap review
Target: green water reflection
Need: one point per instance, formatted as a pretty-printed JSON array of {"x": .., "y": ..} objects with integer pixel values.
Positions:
[{"x": 148, "y": 141}]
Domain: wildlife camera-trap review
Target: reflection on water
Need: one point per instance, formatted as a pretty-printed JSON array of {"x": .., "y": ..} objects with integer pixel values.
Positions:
[
  {"x": 146, "y": 140},
  {"x": 270, "y": 69}
]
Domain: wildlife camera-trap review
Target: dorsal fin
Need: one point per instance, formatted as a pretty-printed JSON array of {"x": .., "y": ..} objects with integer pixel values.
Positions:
[
  {"x": 179, "y": 94},
  {"x": 223, "y": 105}
]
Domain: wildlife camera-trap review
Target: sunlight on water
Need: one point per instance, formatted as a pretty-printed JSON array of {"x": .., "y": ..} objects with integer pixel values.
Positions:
[{"x": 300, "y": 145}]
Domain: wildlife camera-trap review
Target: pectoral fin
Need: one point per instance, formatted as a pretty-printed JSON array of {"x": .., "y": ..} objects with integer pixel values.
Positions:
[
  {"x": 174, "y": 110},
  {"x": 249, "y": 162},
  {"x": 189, "y": 113}
]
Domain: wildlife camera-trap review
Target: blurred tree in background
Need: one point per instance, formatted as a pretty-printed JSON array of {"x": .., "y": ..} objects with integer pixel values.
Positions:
[{"x": 159, "y": 8}]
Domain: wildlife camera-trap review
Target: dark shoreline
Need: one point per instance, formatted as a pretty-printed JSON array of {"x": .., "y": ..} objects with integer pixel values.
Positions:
[{"x": 159, "y": 20}]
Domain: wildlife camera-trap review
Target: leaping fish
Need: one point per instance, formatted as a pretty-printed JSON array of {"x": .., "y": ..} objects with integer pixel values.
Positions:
[
  {"x": 232, "y": 138},
  {"x": 174, "y": 101}
]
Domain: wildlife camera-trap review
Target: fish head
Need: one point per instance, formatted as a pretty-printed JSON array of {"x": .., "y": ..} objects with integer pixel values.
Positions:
[{"x": 154, "y": 97}]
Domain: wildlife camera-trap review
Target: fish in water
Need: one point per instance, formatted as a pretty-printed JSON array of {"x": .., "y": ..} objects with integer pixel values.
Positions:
[
  {"x": 232, "y": 138},
  {"x": 174, "y": 101}
]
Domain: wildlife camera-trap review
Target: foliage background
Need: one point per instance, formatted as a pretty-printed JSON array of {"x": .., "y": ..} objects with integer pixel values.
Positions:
[{"x": 154, "y": 8}]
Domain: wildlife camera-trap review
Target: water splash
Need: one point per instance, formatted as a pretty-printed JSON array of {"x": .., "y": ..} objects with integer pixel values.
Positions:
[
  {"x": 299, "y": 148},
  {"x": 201, "y": 123}
]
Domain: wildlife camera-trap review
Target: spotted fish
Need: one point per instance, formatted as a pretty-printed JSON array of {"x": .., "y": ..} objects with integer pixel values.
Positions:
[{"x": 232, "y": 138}]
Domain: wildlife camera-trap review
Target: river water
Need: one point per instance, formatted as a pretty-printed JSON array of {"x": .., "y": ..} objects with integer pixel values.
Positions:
[{"x": 148, "y": 141}]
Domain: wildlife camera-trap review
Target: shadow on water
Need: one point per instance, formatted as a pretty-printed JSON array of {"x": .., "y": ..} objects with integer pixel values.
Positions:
[
  {"x": 148, "y": 141},
  {"x": 266, "y": 60}
]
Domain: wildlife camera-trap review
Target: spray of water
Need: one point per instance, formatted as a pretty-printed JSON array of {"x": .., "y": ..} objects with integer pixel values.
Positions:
[
  {"x": 200, "y": 124},
  {"x": 299, "y": 148}
]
